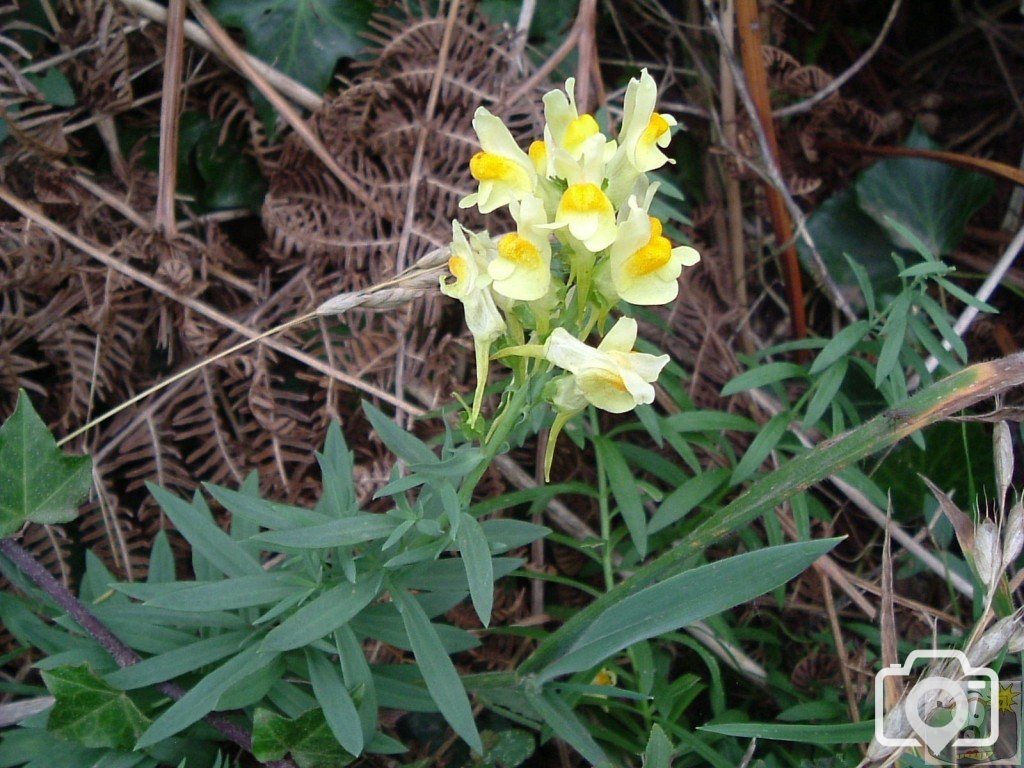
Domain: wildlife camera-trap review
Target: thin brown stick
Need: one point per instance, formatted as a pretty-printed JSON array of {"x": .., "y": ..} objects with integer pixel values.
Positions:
[
  {"x": 837, "y": 637},
  {"x": 425, "y": 128},
  {"x": 983, "y": 165},
  {"x": 770, "y": 171},
  {"x": 170, "y": 118},
  {"x": 827, "y": 567},
  {"x": 749, "y": 27},
  {"x": 733, "y": 201},
  {"x": 810, "y": 102},
  {"x": 105, "y": 257},
  {"x": 293, "y": 89},
  {"x": 238, "y": 58}
]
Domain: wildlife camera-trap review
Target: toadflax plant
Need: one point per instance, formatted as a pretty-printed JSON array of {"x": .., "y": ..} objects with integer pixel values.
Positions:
[
  {"x": 584, "y": 241},
  {"x": 272, "y": 643}
]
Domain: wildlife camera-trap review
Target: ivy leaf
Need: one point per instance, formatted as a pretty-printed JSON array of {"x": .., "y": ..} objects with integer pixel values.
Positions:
[
  {"x": 932, "y": 200},
  {"x": 308, "y": 738},
  {"x": 91, "y": 712},
  {"x": 302, "y": 38},
  {"x": 38, "y": 483}
]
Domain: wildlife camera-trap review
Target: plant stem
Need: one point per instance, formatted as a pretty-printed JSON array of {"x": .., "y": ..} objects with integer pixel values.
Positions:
[
  {"x": 606, "y": 518},
  {"x": 121, "y": 653}
]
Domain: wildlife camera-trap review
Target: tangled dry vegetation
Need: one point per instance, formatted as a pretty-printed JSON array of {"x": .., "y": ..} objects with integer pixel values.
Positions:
[
  {"x": 103, "y": 296},
  {"x": 82, "y": 336}
]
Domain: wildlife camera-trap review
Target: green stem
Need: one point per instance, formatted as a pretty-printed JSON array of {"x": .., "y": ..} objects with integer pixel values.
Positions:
[
  {"x": 500, "y": 430},
  {"x": 938, "y": 401},
  {"x": 606, "y": 518}
]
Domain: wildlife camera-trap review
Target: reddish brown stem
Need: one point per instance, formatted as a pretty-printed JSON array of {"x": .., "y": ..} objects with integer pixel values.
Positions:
[{"x": 749, "y": 27}]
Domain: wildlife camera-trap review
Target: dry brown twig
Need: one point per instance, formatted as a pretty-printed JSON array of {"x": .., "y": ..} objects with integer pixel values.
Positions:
[
  {"x": 294, "y": 90},
  {"x": 833, "y": 87},
  {"x": 170, "y": 118},
  {"x": 771, "y": 170}
]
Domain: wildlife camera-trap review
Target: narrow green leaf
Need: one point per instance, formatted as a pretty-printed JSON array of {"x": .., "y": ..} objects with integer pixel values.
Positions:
[
  {"x": 227, "y": 595},
  {"x": 940, "y": 319},
  {"x": 336, "y": 468},
  {"x": 709, "y": 421},
  {"x": 710, "y": 589},
  {"x": 90, "y": 711},
  {"x": 560, "y": 718},
  {"x": 335, "y": 700},
  {"x": 504, "y": 534},
  {"x": 180, "y": 661},
  {"x": 403, "y": 444},
  {"x": 308, "y": 739},
  {"x": 840, "y": 344},
  {"x": 625, "y": 491},
  {"x": 651, "y": 421},
  {"x": 864, "y": 282},
  {"x": 358, "y": 678},
  {"x": 895, "y": 333},
  {"x": 932, "y": 345},
  {"x": 344, "y": 532},
  {"x": 845, "y": 733},
  {"x": 438, "y": 672},
  {"x": 161, "y": 560},
  {"x": 825, "y": 391},
  {"x": 197, "y": 526},
  {"x": 323, "y": 615},
  {"x": 476, "y": 557},
  {"x": 265, "y": 513},
  {"x": 967, "y": 298},
  {"x": 837, "y": 455},
  {"x": 761, "y": 446},
  {"x": 203, "y": 696},
  {"x": 762, "y": 376},
  {"x": 38, "y": 482},
  {"x": 659, "y": 749},
  {"x": 686, "y": 497}
]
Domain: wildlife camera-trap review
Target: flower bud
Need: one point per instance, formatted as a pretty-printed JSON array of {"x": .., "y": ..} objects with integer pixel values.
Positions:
[
  {"x": 1013, "y": 534},
  {"x": 993, "y": 641},
  {"x": 1016, "y": 642},
  {"x": 987, "y": 553},
  {"x": 1003, "y": 454}
]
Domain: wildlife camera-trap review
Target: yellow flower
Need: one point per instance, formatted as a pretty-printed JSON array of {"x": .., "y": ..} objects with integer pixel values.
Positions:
[
  {"x": 611, "y": 377},
  {"x": 504, "y": 171},
  {"x": 567, "y": 128},
  {"x": 644, "y": 266},
  {"x": 584, "y": 207},
  {"x": 644, "y": 132},
  {"x": 522, "y": 268},
  {"x": 468, "y": 265}
]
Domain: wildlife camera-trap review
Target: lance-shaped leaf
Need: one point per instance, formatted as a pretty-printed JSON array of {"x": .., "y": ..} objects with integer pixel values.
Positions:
[
  {"x": 684, "y": 599},
  {"x": 38, "y": 483},
  {"x": 942, "y": 399}
]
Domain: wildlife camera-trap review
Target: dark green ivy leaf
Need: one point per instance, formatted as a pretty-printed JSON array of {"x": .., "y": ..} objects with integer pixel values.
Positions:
[
  {"x": 38, "y": 482},
  {"x": 307, "y": 738},
  {"x": 302, "y": 38},
  {"x": 91, "y": 712}
]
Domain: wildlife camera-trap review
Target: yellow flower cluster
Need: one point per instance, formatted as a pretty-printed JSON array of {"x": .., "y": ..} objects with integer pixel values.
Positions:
[{"x": 584, "y": 240}]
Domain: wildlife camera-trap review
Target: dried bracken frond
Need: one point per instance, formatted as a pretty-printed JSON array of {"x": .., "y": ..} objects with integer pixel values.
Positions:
[
  {"x": 374, "y": 128},
  {"x": 102, "y": 68},
  {"x": 112, "y": 533},
  {"x": 50, "y": 545},
  {"x": 37, "y": 125}
]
